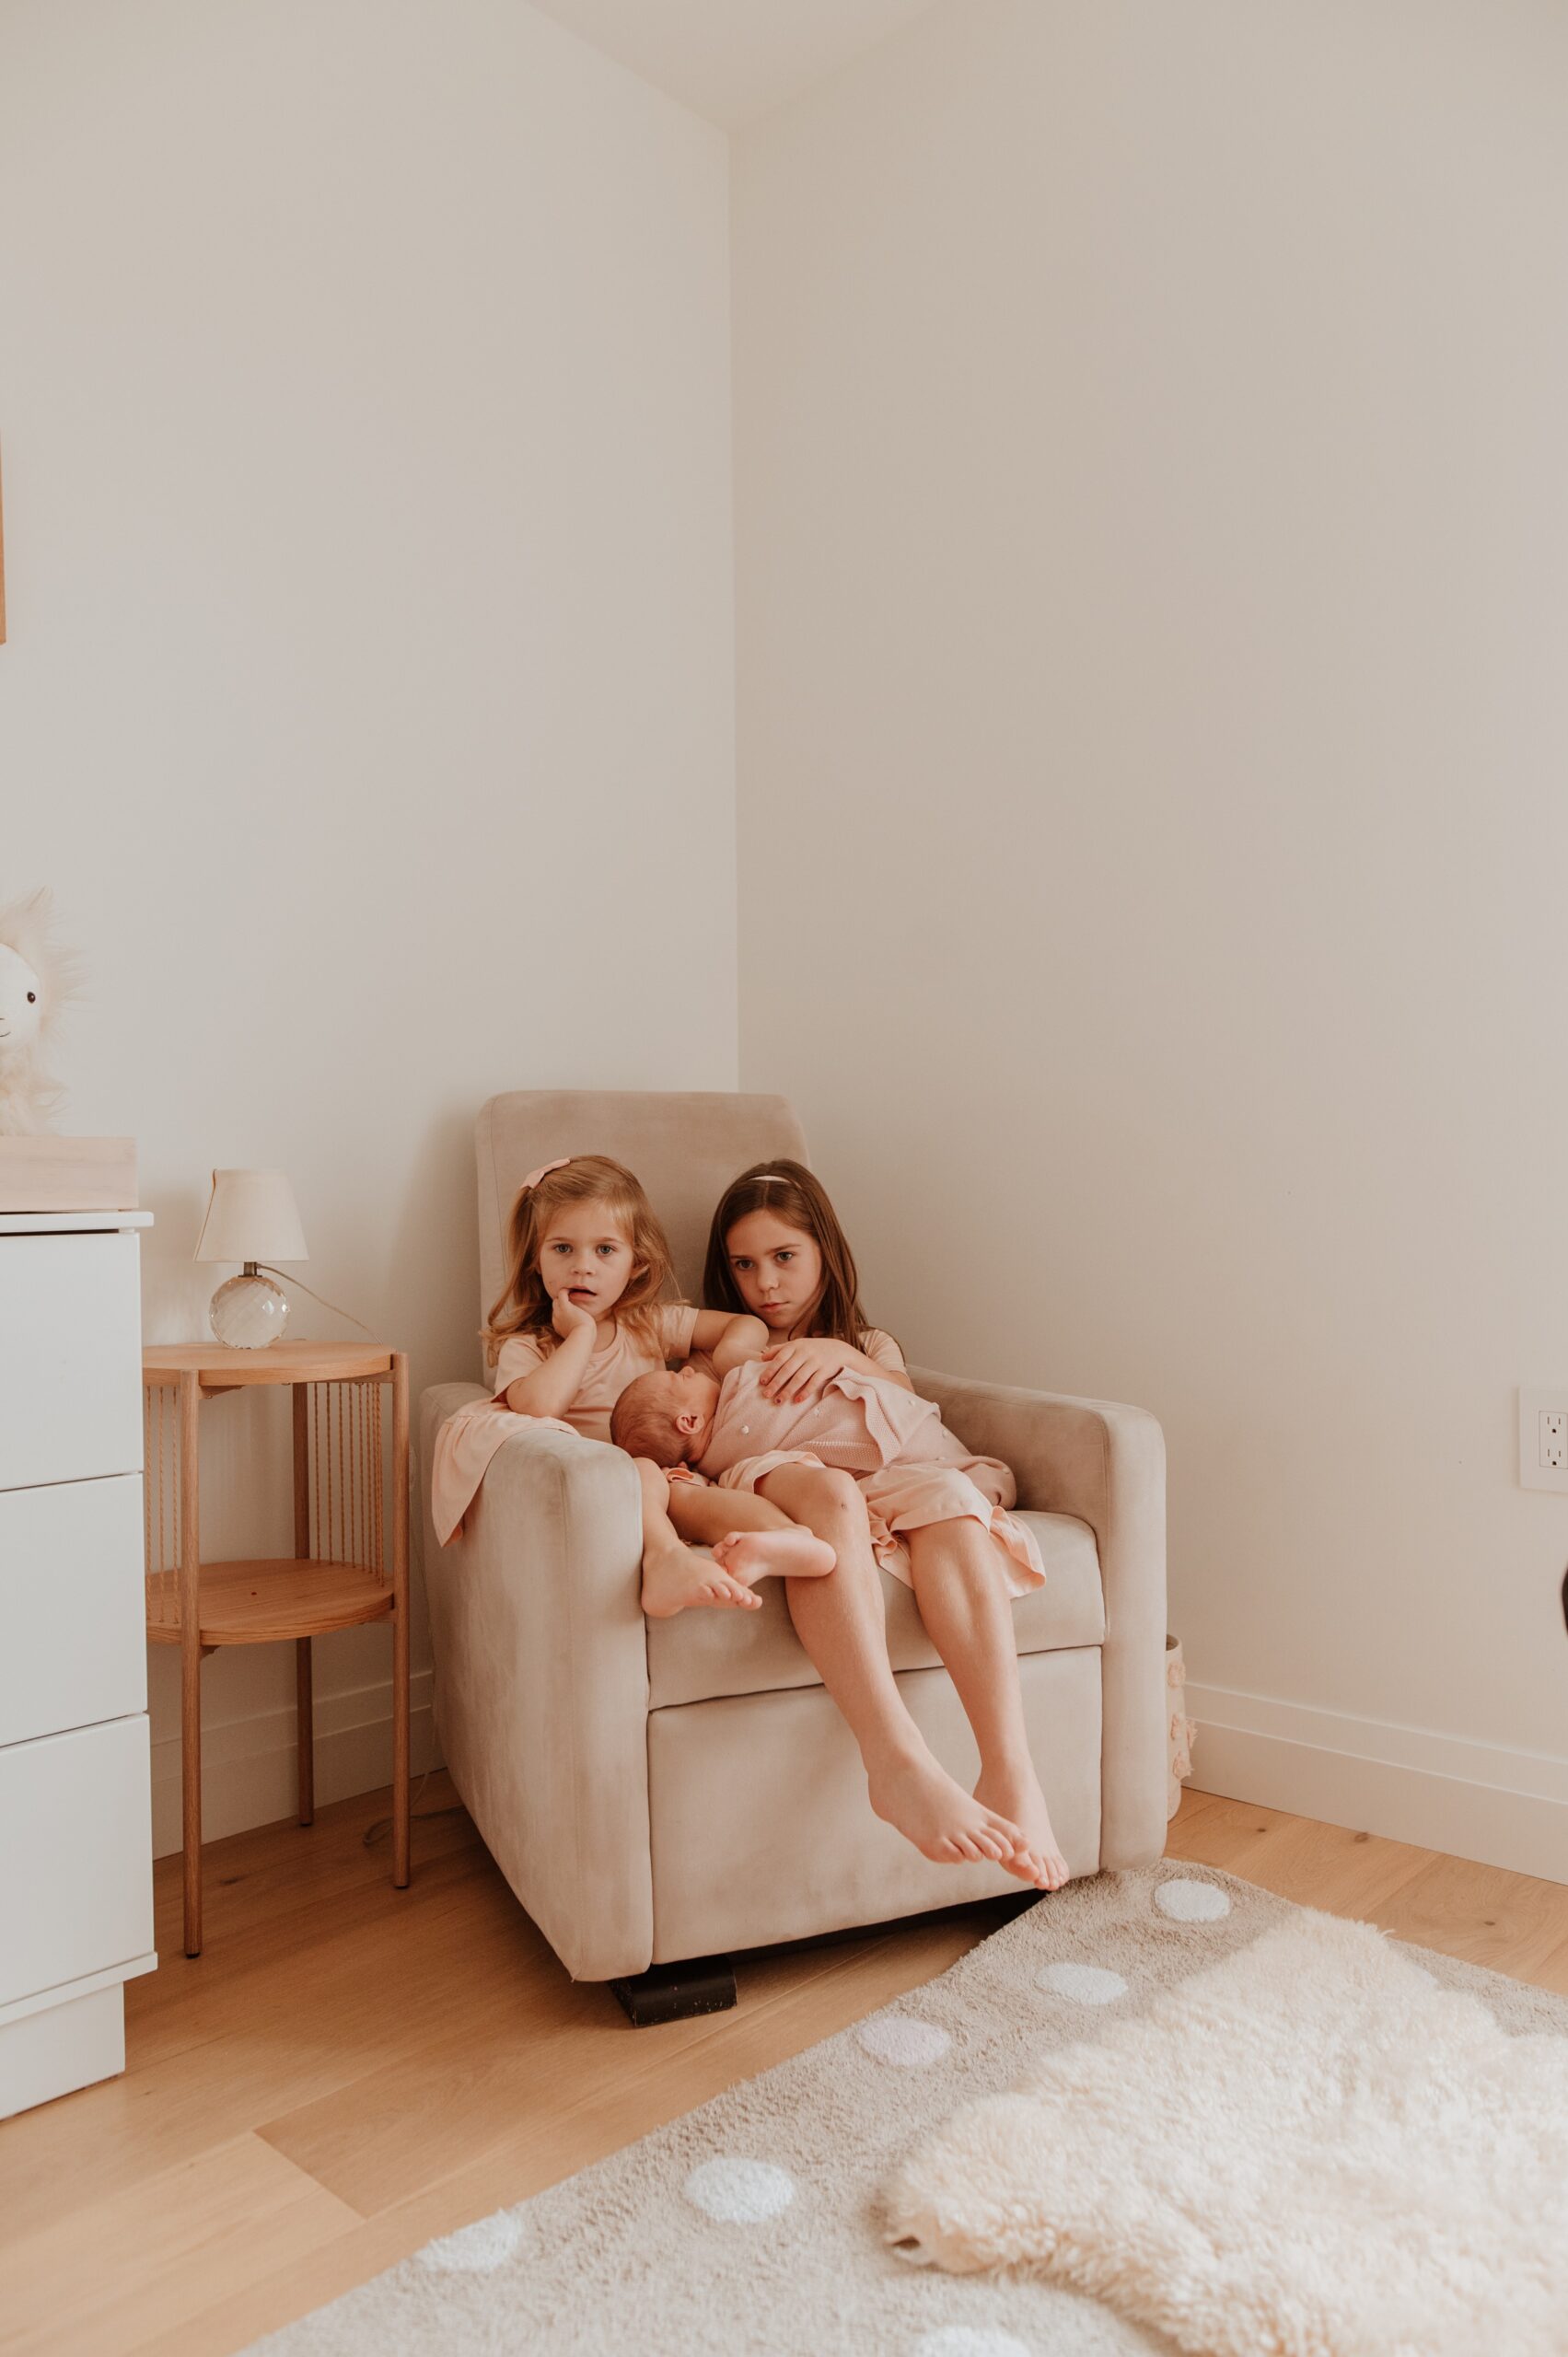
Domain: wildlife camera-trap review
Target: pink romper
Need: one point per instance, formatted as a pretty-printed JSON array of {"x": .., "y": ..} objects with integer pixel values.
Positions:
[
  {"x": 910, "y": 1468},
  {"x": 466, "y": 1440}
]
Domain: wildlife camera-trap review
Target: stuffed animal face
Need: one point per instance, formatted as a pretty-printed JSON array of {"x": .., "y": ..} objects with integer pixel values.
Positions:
[{"x": 21, "y": 1002}]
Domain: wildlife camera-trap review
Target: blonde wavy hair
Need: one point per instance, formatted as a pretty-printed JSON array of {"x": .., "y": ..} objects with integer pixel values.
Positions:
[{"x": 524, "y": 1306}]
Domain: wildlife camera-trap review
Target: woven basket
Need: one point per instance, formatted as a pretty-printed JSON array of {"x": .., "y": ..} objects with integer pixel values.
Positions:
[{"x": 1178, "y": 1726}]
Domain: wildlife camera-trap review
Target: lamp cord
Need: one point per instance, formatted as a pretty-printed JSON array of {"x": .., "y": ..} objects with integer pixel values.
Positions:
[
  {"x": 383, "y": 1824},
  {"x": 314, "y": 1294}
]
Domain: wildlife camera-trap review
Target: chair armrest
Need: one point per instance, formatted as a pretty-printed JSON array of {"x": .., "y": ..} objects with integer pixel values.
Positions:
[
  {"x": 1105, "y": 1464},
  {"x": 542, "y": 1683}
]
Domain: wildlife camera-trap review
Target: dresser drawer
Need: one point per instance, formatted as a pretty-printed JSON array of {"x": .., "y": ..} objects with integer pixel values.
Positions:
[
  {"x": 76, "y": 1832},
  {"x": 71, "y": 1367},
  {"x": 73, "y": 1645}
]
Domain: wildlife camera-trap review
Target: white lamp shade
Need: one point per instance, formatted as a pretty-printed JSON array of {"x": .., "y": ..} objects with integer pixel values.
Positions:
[{"x": 252, "y": 1216}]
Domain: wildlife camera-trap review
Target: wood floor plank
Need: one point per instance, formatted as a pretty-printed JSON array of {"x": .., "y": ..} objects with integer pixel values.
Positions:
[
  {"x": 247, "y": 2311},
  {"x": 536, "y": 2066},
  {"x": 1553, "y": 1971},
  {"x": 324, "y": 2017},
  {"x": 163, "y": 2247},
  {"x": 282, "y": 1896},
  {"x": 1195, "y": 1804},
  {"x": 1510, "y": 1922},
  {"x": 1350, "y": 1871}
]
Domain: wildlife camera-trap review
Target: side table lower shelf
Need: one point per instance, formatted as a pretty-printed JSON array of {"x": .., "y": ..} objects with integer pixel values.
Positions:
[
  {"x": 259, "y": 1601},
  {"x": 349, "y": 1563}
]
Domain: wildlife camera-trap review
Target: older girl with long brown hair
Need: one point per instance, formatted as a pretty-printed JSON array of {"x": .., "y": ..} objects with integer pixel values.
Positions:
[{"x": 776, "y": 1252}]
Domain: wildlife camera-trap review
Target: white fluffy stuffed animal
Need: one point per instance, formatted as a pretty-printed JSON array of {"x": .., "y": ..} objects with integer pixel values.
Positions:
[{"x": 37, "y": 980}]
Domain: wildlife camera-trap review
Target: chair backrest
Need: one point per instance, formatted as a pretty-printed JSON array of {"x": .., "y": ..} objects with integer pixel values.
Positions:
[{"x": 685, "y": 1147}]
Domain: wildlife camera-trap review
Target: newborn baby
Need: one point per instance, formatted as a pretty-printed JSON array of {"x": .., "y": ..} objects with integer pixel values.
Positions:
[{"x": 912, "y": 1471}]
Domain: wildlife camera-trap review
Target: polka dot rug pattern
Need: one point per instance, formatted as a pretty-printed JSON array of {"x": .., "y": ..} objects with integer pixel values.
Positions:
[
  {"x": 909, "y": 2044},
  {"x": 1089, "y": 1984},
  {"x": 1192, "y": 1902},
  {"x": 476, "y": 2249},
  {"x": 739, "y": 2193}
]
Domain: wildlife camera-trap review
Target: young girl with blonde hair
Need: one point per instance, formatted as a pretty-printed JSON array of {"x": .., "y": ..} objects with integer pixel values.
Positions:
[
  {"x": 581, "y": 1315},
  {"x": 776, "y": 1251}
]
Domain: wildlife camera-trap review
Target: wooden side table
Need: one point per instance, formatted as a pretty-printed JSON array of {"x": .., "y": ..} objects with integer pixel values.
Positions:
[{"x": 349, "y": 1563}]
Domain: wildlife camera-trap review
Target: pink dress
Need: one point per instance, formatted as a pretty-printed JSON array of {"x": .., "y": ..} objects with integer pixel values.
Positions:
[
  {"x": 466, "y": 1440},
  {"x": 910, "y": 1468}
]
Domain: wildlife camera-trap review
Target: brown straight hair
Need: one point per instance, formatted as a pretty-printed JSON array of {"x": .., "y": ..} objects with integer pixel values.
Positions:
[
  {"x": 524, "y": 1306},
  {"x": 792, "y": 1192}
]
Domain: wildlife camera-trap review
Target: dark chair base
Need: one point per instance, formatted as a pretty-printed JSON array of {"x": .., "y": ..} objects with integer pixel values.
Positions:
[
  {"x": 674, "y": 1992},
  {"x": 706, "y": 1984}
]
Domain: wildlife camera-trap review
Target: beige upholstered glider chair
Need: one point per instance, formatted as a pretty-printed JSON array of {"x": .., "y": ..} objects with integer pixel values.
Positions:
[{"x": 659, "y": 1792}]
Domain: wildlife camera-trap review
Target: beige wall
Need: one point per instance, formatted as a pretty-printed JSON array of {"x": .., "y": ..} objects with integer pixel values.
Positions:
[
  {"x": 365, "y": 421},
  {"x": 1153, "y": 725}
]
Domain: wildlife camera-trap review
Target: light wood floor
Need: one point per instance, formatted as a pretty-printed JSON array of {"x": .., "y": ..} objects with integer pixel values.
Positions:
[{"x": 350, "y": 2069}]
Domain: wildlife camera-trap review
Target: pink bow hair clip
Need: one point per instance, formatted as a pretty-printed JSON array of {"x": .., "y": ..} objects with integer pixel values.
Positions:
[{"x": 543, "y": 1172}]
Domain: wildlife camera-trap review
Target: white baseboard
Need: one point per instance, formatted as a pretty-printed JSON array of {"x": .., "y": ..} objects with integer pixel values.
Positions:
[
  {"x": 247, "y": 1765},
  {"x": 1471, "y": 1800}
]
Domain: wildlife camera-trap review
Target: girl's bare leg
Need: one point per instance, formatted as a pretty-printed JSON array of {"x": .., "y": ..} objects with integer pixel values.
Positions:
[
  {"x": 967, "y": 1611},
  {"x": 841, "y": 1623},
  {"x": 750, "y": 1537},
  {"x": 673, "y": 1578}
]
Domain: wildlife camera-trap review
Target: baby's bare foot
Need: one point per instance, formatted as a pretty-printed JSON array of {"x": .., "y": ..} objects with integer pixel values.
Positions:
[
  {"x": 1039, "y": 1858},
  {"x": 791, "y": 1554},
  {"x": 675, "y": 1581},
  {"x": 928, "y": 1808}
]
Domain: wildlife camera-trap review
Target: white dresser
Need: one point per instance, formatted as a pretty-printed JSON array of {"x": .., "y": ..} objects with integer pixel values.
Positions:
[{"x": 76, "y": 1820}]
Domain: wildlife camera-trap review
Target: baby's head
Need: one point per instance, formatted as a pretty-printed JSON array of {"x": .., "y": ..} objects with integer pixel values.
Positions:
[{"x": 666, "y": 1416}]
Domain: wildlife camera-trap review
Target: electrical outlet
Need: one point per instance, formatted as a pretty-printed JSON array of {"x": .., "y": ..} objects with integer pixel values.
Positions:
[{"x": 1543, "y": 1437}]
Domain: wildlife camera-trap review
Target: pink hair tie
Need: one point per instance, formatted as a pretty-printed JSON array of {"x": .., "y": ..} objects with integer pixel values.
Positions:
[{"x": 543, "y": 1172}]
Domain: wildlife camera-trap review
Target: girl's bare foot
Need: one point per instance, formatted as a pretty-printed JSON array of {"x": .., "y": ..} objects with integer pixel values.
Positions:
[
  {"x": 1038, "y": 1858},
  {"x": 911, "y": 1792},
  {"x": 792, "y": 1554},
  {"x": 673, "y": 1581}
]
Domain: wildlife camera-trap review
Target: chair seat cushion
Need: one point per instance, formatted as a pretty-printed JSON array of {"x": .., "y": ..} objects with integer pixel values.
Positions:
[{"x": 703, "y": 1653}]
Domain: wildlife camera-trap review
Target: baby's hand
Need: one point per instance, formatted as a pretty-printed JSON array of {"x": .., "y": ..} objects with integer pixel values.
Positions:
[
  {"x": 569, "y": 1317},
  {"x": 801, "y": 1370}
]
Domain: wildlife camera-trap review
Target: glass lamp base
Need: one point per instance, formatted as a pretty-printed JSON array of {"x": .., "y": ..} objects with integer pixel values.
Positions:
[{"x": 248, "y": 1312}]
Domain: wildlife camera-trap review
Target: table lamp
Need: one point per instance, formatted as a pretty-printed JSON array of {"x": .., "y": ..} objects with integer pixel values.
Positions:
[{"x": 252, "y": 1217}]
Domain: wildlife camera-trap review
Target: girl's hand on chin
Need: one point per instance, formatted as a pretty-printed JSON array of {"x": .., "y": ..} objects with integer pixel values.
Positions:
[
  {"x": 568, "y": 1317},
  {"x": 801, "y": 1370}
]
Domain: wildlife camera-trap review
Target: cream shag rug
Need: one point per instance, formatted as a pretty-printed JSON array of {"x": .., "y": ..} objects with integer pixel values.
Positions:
[
  {"x": 1310, "y": 2147},
  {"x": 1297, "y": 2193}
]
